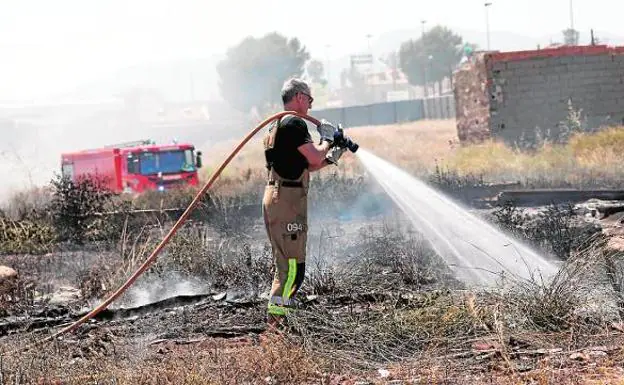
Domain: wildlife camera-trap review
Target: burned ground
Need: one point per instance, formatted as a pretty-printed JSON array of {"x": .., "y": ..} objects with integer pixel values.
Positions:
[
  {"x": 378, "y": 305},
  {"x": 375, "y": 296}
]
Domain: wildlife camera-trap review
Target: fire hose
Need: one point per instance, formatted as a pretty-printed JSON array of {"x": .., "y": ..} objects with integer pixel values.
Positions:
[{"x": 167, "y": 237}]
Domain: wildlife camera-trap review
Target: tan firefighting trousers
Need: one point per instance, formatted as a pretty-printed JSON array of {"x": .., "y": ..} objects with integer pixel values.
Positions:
[{"x": 285, "y": 207}]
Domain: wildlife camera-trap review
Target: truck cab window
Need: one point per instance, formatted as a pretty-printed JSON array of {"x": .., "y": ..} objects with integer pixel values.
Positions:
[
  {"x": 166, "y": 162},
  {"x": 133, "y": 164},
  {"x": 189, "y": 163},
  {"x": 149, "y": 164}
]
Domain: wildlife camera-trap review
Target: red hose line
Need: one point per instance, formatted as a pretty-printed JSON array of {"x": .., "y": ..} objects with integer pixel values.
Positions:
[{"x": 167, "y": 237}]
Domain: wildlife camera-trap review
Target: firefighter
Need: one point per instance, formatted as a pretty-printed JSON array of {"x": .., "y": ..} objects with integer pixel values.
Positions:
[{"x": 291, "y": 155}]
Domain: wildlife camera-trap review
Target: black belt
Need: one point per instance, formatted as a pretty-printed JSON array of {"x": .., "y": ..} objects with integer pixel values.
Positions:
[{"x": 286, "y": 183}]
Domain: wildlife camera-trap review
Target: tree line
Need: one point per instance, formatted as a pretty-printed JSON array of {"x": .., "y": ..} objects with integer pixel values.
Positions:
[{"x": 253, "y": 71}]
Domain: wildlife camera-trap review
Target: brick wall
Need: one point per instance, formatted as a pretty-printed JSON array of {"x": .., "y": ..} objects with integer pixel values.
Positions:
[{"x": 526, "y": 93}]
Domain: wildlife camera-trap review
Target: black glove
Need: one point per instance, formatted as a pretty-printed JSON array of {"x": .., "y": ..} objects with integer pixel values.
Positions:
[{"x": 339, "y": 138}]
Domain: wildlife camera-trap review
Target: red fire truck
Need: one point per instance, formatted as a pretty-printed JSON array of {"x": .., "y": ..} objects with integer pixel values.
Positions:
[{"x": 135, "y": 167}]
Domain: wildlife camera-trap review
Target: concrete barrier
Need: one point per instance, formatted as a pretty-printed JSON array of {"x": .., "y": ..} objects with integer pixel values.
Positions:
[{"x": 441, "y": 107}]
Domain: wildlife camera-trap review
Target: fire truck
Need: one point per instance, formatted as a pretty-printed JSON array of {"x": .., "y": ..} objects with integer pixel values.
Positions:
[{"x": 135, "y": 167}]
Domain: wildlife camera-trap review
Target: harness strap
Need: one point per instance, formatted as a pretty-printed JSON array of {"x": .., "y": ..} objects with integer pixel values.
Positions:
[
  {"x": 269, "y": 142},
  {"x": 285, "y": 183}
]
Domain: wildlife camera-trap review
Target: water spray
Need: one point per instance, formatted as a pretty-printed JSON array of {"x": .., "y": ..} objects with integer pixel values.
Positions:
[{"x": 478, "y": 252}]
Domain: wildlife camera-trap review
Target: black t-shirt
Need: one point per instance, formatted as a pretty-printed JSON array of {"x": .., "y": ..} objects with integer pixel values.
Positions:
[{"x": 288, "y": 162}]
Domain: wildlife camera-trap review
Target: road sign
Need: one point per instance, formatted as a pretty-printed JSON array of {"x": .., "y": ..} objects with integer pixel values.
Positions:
[{"x": 361, "y": 59}]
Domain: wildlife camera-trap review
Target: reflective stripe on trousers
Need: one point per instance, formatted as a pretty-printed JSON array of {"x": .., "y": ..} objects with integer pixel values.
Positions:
[{"x": 278, "y": 305}]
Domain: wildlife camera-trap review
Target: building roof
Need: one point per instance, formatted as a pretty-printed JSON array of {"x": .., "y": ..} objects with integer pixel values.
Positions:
[
  {"x": 565, "y": 50},
  {"x": 385, "y": 77},
  {"x": 193, "y": 113}
]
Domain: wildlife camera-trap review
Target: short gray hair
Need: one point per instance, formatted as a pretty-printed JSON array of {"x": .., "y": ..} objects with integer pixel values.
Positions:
[{"x": 292, "y": 87}]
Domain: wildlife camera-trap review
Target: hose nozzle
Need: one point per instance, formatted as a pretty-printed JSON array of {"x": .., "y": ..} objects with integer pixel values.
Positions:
[{"x": 346, "y": 142}]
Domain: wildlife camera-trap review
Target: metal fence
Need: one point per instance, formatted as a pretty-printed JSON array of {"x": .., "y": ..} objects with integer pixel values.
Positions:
[{"x": 442, "y": 107}]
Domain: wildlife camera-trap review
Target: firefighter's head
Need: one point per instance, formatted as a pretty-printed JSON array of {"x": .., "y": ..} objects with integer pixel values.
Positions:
[{"x": 296, "y": 96}]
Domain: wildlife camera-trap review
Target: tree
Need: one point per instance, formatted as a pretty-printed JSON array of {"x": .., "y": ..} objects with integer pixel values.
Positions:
[
  {"x": 571, "y": 36},
  {"x": 392, "y": 62},
  {"x": 432, "y": 57},
  {"x": 253, "y": 72},
  {"x": 316, "y": 71},
  {"x": 354, "y": 88}
]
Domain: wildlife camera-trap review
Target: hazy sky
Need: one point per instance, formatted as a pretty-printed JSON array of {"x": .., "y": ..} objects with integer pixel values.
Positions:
[{"x": 47, "y": 45}]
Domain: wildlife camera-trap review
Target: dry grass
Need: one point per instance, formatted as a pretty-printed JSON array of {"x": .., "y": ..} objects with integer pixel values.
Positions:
[
  {"x": 275, "y": 359},
  {"x": 244, "y": 173},
  {"x": 416, "y": 146},
  {"x": 590, "y": 158},
  {"x": 587, "y": 159}
]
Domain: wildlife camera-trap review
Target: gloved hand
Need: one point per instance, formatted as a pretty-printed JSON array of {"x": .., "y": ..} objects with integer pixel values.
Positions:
[
  {"x": 327, "y": 131},
  {"x": 339, "y": 138},
  {"x": 334, "y": 154}
]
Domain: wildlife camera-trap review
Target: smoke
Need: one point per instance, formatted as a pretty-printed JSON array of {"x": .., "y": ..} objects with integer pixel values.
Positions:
[
  {"x": 154, "y": 289},
  {"x": 36, "y": 136}
]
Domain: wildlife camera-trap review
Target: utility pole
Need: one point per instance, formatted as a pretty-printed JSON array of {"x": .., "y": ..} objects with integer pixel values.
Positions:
[
  {"x": 422, "y": 39},
  {"x": 327, "y": 47},
  {"x": 487, "y": 23},
  {"x": 369, "y": 75},
  {"x": 395, "y": 69},
  {"x": 430, "y": 66},
  {"x": 370, "y": 51},
  {"x": 593, "y": 38},
  {"x": 571, "y": 15}
]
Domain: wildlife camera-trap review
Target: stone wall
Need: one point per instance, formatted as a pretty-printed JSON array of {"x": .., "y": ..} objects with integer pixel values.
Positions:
[
  {"x": 522, "y": 97},
  {"x": 472, "y": 107}
]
